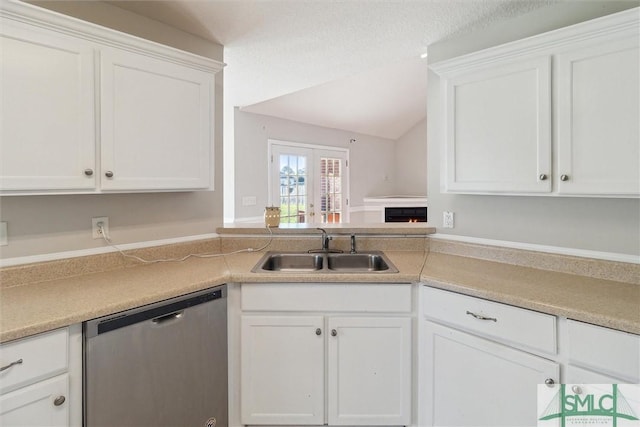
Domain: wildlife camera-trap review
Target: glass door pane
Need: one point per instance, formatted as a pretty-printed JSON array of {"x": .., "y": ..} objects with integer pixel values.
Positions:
[
  {"x": 330, "y": 190},
  {"x": 291, "y": 170},
  {"x": 293, "y": 189},
  {"x": 332, "y": 186}
]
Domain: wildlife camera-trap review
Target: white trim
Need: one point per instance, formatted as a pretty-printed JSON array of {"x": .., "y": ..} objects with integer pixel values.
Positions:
[
  {"x": 38, "y": 16},
  {"x": 582, "y": 253},
  {"x": 305, "y": 145},
  {"x": 608, "y": 28},
  {"x": 8, "y": 262}
]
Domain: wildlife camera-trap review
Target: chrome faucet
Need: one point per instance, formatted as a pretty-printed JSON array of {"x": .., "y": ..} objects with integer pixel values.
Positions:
[
  {"x": 325, "y": 239},
  {"x": 325, "y": 243}
]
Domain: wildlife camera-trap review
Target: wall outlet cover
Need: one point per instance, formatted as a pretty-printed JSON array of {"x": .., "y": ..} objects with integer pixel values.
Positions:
[
  {"x": 95, "y": 230},
  {"x": 447, "y": 219}
]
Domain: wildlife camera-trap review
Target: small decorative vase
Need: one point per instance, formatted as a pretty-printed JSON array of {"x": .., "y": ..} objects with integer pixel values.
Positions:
[{"x": 271, "y": 216}]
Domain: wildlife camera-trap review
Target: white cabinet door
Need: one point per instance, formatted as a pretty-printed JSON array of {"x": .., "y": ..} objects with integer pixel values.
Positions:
[
  {"x": 498, "y": 128},
  {"x": 156, "y": 117},
  {"x": 369, "y": 371},
  {"x": 598, "y": 127},
  {"x": 282, "y": 370},
  {"x": 47, "y": 136},
  {"x": 470, "y": 381},
  {"x": 42, "y": 404}
]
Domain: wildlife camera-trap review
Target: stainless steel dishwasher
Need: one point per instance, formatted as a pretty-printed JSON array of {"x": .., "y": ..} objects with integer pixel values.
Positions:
[{"x": 163, "y": 364}]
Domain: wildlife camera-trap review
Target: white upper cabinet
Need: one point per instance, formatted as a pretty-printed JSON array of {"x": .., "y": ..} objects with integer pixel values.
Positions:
[
  {"x": 499, "y": 127},
  {"x": 598, "y": 118},
  {"x": 155, "y": 123},
  {"x": 86, "y": 109},
  {"x": 47, "y": 136},
  {"x": 571, "y": 95}
]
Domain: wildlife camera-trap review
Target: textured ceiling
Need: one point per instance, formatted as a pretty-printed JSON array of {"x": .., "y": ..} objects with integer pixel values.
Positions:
[{"x": 350, "y": 64}]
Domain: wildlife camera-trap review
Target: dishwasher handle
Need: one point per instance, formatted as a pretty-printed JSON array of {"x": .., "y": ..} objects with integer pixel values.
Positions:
[{"x": 168, "y": 317}]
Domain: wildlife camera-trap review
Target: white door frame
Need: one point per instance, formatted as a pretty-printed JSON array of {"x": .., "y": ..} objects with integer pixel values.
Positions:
[{"x": 316, "y": 148}]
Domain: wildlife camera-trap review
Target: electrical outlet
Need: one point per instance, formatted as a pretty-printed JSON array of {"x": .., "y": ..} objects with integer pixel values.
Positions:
[
  {"x": 96, "y": 232},
  {"x": 447, "y": 219},
  {"x": 4, "y": 241}
]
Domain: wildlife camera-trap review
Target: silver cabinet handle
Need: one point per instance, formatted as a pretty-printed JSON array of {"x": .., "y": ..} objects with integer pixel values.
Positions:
[
  {"x": 549, "y": 382},
  {"x": 88, "y": 172},
  {"x": 59, "y": 400},
  {"x": 318, "y": 331},
  {"x": 480, "y": 317},
  {"x": 543, "y": 177},
  {"x": 564, "y": 177},
  {"x": 576, "y": 389},
  {"x": 334, "y": 332},
  {"x": 108, "y": 174},
  {"x": 17, "y": 362}
]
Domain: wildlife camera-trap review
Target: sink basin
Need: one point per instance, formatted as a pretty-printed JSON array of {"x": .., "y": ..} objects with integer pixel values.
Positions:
[
  {"x": 357, "y": 262},
  {"x": 363, "y": 262},
  {"x": 291, "y": 262}
]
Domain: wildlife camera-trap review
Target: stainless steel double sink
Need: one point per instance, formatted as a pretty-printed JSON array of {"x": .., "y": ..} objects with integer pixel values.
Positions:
[{"x": 325, "y": 262}]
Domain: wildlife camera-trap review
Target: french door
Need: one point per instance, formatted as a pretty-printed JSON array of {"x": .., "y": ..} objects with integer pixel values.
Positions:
[{"x": 308, "y": 182}]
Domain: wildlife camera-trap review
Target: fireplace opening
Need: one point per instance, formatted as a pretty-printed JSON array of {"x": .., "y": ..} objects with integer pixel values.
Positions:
[{"x": 407, "y": 214}]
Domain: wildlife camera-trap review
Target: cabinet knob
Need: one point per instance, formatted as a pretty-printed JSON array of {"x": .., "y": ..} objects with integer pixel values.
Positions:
[
  {"x": 318, "y": 331},
  {"x": 108, "y": 174},
  {"x": 576, "y": 389},
  {"x": 549, "y": 382},
  {"x": 59, "y": 400},
  {"x": 88, "y": 172},
  {"x": 564, "y": 177},
  {"x": 334, "y": 332},
  {"x": 543, "y": 177}
]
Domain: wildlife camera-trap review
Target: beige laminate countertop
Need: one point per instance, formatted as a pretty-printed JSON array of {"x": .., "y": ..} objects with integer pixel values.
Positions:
[
  {"x": 33, "y": 308},
  {"x": 38, "y": 307},
  {"x": 598, "y": 301}
]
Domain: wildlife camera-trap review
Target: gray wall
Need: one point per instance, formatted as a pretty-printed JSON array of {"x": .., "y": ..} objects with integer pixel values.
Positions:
[
  {"x": 411, "y": 161},
  {"x": 610, "y": 225},
  {"x": 371, "y": 158},
  {"x": 45, "y": 224}
]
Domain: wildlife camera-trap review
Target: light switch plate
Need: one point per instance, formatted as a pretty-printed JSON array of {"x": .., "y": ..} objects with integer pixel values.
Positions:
[{"x": 4, "y": 240}]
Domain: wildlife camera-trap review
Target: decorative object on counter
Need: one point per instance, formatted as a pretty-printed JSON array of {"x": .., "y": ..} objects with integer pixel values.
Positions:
[{"x": 271, "y": 216}]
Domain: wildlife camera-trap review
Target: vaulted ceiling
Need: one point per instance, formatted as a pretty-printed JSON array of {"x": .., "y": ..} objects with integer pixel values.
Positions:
[{"x": 346, "y": 64}]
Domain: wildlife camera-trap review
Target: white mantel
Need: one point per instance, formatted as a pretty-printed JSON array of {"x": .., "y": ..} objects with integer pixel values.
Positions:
[{"x": 374, "y": 206}]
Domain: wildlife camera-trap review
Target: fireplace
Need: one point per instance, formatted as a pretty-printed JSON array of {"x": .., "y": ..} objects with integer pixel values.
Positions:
[{"x": 405, "y": 214}]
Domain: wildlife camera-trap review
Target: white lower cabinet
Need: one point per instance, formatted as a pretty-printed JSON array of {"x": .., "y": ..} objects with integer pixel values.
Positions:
[
  {"x": 41, "y": 380},
  {"x": 369, "y": 370},
  {"x": 327, "y": 367},
  {"x": 282, "y": 366},
  {"x": 41, "y": 404},
  {"x": 599, "y": 355},
  {"x": 471, "y": 381},
  {"x": 480, "y": 362}
]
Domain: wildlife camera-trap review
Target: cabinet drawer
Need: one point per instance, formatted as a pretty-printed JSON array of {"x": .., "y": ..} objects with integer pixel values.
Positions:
[
  {"x": 351, "y": 297},
  {"x": 504, "y": 322},
  {"x": 606, "y": 350},
  {"x": 42, "y": 356}
]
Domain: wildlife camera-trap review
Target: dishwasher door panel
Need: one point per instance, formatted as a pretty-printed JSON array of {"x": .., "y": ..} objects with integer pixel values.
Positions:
[{"x": 166, "y": 371}]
